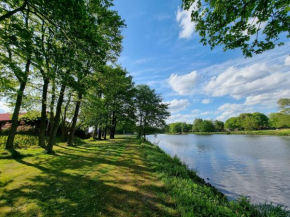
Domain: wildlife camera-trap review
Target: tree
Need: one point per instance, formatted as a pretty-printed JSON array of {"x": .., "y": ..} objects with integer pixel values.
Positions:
[
  {"x": 196, "y": 124},
  {"x": 261, "y": 120},
  {"x": 253, "y": 26},
  {"x": 279, "y": 120},
  {"x": 219, "y": 126},
  {"x": 233, "y": 123},
  {"x": 175, "y": 128},
  {"x": 206, "y": 126},
  {"x": 151, "y": 112},
  {"x": 284, "y": 105}
]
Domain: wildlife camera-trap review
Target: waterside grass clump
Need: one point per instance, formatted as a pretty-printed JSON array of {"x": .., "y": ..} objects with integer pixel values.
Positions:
[{"x": 194, "y": 197}]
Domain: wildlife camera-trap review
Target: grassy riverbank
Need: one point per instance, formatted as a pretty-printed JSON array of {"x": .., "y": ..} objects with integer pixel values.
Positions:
[
  {"x": 283, "y": 132},
  {"x": 120, "y": 177}
]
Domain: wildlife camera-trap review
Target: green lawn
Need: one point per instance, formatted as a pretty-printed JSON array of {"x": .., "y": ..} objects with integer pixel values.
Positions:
[
  {"x": 120, "y": 177},
  {"x": 103, "y": 178}
]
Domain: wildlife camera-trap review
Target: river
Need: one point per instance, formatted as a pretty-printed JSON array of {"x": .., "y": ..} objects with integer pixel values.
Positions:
[{"x": 253, "y": 166}]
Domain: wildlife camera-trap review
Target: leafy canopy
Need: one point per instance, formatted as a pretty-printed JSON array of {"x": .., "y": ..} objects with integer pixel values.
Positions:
[{"x": 253, "y": 26}]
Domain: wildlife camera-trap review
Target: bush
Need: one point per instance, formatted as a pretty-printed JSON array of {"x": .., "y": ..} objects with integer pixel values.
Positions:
[{"x": 20, "y": 141}]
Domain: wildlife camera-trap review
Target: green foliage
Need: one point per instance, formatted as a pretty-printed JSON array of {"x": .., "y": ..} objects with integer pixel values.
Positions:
[
  {"x": 253, "y": 26},
  {"x": 196, "y": 123},
  {"x": 206, "y": 126},
  {"x": 192, "y": 196},
  {"x": 219, "y": 126},
  {"x": 232, "y": 123},
  {"x": 200, "y": 125},
  {"x": 21, "y": 141},
  {"x": 284, "y": 105},
  {"x": 279, "y": 120},
  {"x": 151, "y": 112},
  {"x": 248, "y": 121}
]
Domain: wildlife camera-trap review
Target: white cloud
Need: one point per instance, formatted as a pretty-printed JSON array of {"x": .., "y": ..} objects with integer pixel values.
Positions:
[
  {"x": 250, "y": 81},
  {"x": 287, "y": 61},
  {"x": 232, "y": 110},
  {"x": 4, "y": 107},
  {"x": 178, "y": 105},
  {"x": 183, "y": 17},
  {"x": 188, "y": 118},
  {"x": 206, "y": 101},
  {"x": 195, "y": 111},
  {"x": 183, "y": 84}
]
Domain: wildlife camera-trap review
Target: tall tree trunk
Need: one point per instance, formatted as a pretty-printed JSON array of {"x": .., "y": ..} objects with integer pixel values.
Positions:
[
  {"x": 41, "y": 141},
  {"x": 10, "y": 140},
  {"x": 95, "y": 132},
  {"x": 100, "y": 133},
  {"x": 144, "y": 133},
  {"x": 113, "y": 127},
  {"x": 23, "y": 81},
  {"x": 105, "y": 132},
  {"x": 140, "y": 128},
  {"x": 64, "y": 130},
  {"x": 56, "y": 121},
  {"x": 51, "y": 119},
  {"x": 74, "y": 121}
]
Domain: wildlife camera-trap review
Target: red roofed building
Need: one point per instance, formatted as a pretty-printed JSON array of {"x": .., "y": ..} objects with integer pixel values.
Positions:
[{"x": 6, "y": 119}]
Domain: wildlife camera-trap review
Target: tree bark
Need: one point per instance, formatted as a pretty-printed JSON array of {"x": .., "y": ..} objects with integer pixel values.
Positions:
[
  {"x": 64, "y": 132},
  {"x": 113, "y": 127},
  {"x": 74, "y": 121},
  {"x": 51, "y": 141},
  {"x": 10, "y": 140},
  {"x": 100, "y": 133},
  {"x": 41, "y": 141},
  {"x": 105, "y": 132},
  {"x": 95, "y": 132},
  {"x": 51, "y": 119}
]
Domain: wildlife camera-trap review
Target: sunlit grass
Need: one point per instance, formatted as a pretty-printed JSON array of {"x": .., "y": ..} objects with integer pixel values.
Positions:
[
  {"x": 98, "y": 178},
  {"x": 120, "y": 177}
]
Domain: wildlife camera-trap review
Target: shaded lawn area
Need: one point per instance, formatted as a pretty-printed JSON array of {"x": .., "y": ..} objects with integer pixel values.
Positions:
[{"x": 98, "y": 178}]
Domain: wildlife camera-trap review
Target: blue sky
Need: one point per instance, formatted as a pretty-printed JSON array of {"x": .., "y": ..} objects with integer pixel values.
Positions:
[{"x": 162, "y": 50}]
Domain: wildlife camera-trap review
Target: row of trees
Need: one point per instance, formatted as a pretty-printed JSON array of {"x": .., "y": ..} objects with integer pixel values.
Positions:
[
  {"x": 245, "y": 121},
  {"x": 60, "y": 56},
  {"x": 198, "y": 125}
]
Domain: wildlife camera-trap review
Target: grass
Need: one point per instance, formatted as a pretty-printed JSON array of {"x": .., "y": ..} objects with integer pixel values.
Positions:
[
  {"x": 282, "y": 132},
  {"x": 120, "y": 177},
  {"x": 98, "y": 178}
]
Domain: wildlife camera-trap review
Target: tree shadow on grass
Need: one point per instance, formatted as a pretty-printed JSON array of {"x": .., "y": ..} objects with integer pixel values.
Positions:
[{"x": 74, "y": 183}]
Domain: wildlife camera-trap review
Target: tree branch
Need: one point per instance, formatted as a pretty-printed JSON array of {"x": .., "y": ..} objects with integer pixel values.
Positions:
[{"x": 10, "y": 13}]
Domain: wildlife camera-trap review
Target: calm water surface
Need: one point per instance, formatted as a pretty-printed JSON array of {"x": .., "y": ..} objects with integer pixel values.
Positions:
[{"x": 254, "y": 166}]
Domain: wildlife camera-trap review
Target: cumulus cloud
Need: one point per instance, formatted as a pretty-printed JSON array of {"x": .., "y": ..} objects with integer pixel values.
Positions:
[
  {"x": 178, "y": 105},
  {"x": 183, "y": 17},
  {"x": 231, "y": 110},
  {"x": 183, "y": 84},
  {"x": 252, "y": 82},
  {"x": 188, "y": 118},
  {"x": 206, "y": 101},
  {"x": 287, "y": 61}
]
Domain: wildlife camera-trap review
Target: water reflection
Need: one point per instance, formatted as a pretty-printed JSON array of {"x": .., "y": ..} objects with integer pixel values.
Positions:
[{"x": 254, "y": 166}]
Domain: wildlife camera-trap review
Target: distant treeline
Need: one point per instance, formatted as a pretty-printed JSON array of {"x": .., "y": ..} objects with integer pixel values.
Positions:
[{"x": 245, "y": 121}]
